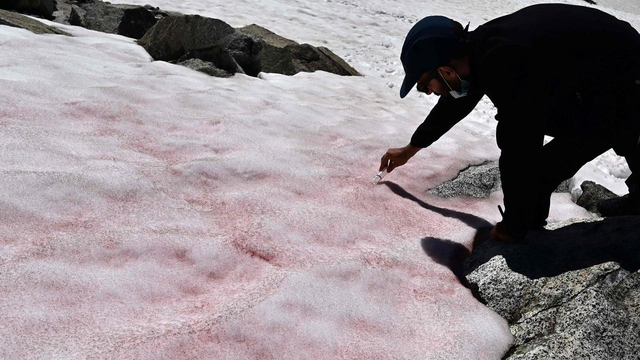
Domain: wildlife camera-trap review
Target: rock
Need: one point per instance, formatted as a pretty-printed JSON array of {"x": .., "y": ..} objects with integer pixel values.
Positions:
[
  {"x": 476, "y": 180},
  {"x": 20, "y": 21},
  {"x": 43, "y": 8},
  {"x": 205, "y": 67},
  {"x": 342, "y": 67},
  {"x": 479, "y": 181},
  {"x": 284, "y": 56},
  {"x": 136, "y": 22},
  {"x": 195, "y": 37},
  {"x": 570, "y": 293},
  {"x": 173, "y": 37},
  {"x": 592, "y": 194},
  {"x": 247, "y": 52},
  {"x": 215, "y": 55},
  {"x": 77, "y": 16},
  {"x": 104, "y": 17}
]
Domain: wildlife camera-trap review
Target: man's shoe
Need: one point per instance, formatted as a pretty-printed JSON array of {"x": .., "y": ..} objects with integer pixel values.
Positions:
[{"x": 620, "y": 206}]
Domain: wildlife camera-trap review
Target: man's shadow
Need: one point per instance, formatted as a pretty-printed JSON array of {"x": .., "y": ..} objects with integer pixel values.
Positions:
[{"x": 542, "y": 253}]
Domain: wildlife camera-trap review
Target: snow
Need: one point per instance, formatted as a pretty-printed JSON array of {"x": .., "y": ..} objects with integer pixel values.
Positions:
[{"x": 151, "y": 211}]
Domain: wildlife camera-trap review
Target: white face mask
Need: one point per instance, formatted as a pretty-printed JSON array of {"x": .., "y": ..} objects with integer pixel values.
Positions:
[{"x": 458, "y": 94}]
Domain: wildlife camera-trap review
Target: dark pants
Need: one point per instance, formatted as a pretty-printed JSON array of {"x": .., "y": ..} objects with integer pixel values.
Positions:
[
  {"x": 633, "y": 182},
  {"x": 562, "y": 158}
]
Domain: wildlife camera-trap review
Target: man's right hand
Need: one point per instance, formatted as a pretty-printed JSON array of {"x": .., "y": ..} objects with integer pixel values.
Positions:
[{"x": 397, "y": 157}]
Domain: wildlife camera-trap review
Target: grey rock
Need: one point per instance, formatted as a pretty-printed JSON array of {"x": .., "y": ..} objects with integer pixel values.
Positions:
[
  {"x": 570, "y": 293},
  {"x": 476, "y": 180},
  {"x": 479, "y": 181},
  {"x": 592, "y": 194},
  {"x": 43, "y": 8},
  {"x": 342, "y": 66},
  {"x": 205, "y": 67},
  {"x": 215, "y": 55},
  {"x": 173, "y": 37},
  {"x": 76, "y": 17},
  {"x": 247, "y": 52},
  {"x": 103, "y": 17},
  {"x": 285, "y": 56},
  {"x": 20, "y": 21},
  {"x": 180, "y": 38},
  {"x": 269, "y": 37}
]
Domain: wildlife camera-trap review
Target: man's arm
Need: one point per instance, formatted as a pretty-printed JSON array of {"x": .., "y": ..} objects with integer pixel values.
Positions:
[{"x": 441, "y": 119}]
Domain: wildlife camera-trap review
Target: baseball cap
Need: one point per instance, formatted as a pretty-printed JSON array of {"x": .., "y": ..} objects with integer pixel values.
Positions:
[{"x": 430, "y": 43}]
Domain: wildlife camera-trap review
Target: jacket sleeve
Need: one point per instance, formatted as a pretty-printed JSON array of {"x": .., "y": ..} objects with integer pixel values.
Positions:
[
  {"x": 518, "y": 91},
  {"x": 443, "y": 117}
]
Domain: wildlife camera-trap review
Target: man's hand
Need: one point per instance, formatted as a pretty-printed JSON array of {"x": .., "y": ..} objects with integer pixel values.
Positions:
[
  {"x": 397, "y": 157},
  {"x": 499, "y": 232}
]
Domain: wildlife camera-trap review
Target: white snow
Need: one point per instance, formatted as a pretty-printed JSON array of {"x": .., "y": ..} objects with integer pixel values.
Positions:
[{"x": 154, "y": 212}]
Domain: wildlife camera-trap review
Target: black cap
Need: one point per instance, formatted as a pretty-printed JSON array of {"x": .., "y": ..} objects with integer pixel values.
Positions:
[{"x": 430, "y": 43}]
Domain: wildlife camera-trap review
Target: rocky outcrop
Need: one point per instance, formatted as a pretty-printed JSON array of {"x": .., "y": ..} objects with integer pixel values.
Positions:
[
  {"x": 221, "y": 49},
  {"x": 20, "y": 21},
  {"x": 42, "y": 8},
  {"x": 287, "y": 57},
  {"x": 568, "y": 293},
  {"x": 592, "y": 194},
  {"x": 478, "y": 181}
]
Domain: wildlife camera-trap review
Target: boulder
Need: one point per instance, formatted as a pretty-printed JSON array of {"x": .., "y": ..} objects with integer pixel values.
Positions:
[
  {"x": 592, "y": 194},
  {"x": 20, "y": 21},
  {"x": 568, "y": 293},
  {"x": 173, "y": 37},
  {"x": 205, "y": 67},
  {"x": 180, "y": 38},
  {"x": 284, "y": 56},
  {"x": 43, "y": 8}
]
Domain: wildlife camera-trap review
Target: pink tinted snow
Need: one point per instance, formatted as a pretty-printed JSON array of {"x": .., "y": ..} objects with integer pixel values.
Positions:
[{"x": 154, "y": 212}]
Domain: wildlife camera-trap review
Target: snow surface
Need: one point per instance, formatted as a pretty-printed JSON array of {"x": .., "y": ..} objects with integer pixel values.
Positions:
[{"x": 154, "y": 212}]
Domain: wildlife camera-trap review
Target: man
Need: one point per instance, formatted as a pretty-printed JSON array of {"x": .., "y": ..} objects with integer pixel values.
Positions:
[{"x": 570, "y": 72}]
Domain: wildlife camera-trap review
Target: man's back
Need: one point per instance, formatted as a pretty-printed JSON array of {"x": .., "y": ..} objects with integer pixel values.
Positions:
[{"x": 566, "y": 40}]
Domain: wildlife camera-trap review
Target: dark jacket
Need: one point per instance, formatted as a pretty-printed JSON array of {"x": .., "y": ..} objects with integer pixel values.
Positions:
[{"x": 550, "y": 69}]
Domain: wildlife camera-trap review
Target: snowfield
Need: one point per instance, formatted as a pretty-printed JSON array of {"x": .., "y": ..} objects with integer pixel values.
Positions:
[{"x": 153, "y": 212}]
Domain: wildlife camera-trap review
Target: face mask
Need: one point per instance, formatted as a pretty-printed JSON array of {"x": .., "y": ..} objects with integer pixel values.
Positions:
[{"x": 458, "y": 94}]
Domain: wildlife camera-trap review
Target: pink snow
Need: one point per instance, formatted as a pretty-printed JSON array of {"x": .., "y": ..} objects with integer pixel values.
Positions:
[{"x": 153, "y": 212}]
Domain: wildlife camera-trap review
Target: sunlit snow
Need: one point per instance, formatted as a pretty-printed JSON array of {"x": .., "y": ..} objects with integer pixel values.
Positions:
[{"x": 151, "y": 211}]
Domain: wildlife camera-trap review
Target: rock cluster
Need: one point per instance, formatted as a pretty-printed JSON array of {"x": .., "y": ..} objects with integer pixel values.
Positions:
[
  {"x": 570, "y": 293},
  {"x": 203, "y": 44}
]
